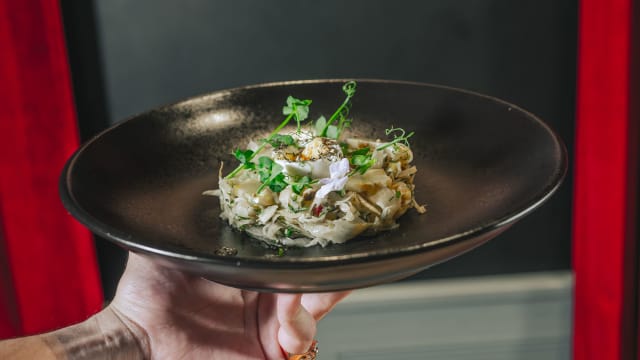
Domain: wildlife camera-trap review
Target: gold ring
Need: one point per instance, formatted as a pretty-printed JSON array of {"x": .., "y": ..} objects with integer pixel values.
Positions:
[{"x": 309, "y": 355}]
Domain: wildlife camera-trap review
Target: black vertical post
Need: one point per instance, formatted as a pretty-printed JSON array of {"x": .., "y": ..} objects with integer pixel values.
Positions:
[{"x": 83, "y": 46}]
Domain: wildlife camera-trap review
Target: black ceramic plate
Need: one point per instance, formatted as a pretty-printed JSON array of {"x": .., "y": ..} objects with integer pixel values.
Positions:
[{"x": 482, "y": 165}]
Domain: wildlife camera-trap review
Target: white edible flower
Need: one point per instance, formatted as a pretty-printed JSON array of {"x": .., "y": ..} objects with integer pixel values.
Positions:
[{"x": 338, "y": 179}]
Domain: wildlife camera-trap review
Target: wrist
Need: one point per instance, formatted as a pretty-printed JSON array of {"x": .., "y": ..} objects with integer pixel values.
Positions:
[{"x": 106, "y": 335}]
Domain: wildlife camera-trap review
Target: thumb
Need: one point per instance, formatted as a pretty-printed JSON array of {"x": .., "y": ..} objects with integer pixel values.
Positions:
[{"x": 297, "y": 326}]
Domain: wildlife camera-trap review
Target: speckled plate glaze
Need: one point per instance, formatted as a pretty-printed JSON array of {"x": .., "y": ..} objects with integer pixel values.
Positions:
[{"x": 482, "y": 165}]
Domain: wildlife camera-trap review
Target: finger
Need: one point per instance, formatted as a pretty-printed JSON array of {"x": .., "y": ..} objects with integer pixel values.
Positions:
[
  {"x": 297, "y": 326},
  {"x": 318, "y": 305},
  {"x": 269, "y": 325}
]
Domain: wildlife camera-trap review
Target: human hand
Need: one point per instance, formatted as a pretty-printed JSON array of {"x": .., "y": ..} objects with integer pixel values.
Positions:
[{"x": 174, "y": 315}]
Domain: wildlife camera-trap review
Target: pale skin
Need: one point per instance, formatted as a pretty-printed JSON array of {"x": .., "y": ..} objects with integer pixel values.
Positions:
[{"x": 161, "y": 313}]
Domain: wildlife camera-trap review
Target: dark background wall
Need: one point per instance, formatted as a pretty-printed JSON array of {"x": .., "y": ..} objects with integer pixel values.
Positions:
[{"x": 130, "y": 56}]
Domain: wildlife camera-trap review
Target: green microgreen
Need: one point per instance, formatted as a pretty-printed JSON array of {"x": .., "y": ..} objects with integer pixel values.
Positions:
[
  {"x": 396, "y": 138},
  {"x": 290, "y": 232},
  {"x": 320, "y": 125},
  {"x": 362, "y": 159},
  {"x": 295, "y": 108},
  {"x": 245, "y": 156},
  {"x": 360, "y": 151},
  {"x": 325, "y": 128},
  {"x": 300, "y": 184},
  {"x": 301, "y": 209},
  {"x": 298, "y": 108},
  {"x": 279, "y": 140},
  {"x": 271, "y": 175}
]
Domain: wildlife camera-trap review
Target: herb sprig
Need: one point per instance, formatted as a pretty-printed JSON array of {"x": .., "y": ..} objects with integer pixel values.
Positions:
[
  {"x": 279, "y": 140},
  {"x": 362, "y": 159},
  {"x": 244, "y": 156},
  {"x": 324, "y": 128},
  {"x": 299, "y": 185},
  {"x": 396, "y": 138},
  {"x": 298, "y": 108},
  {"x": 271, "y": 175},
  {"x": 295, "y": 108}
]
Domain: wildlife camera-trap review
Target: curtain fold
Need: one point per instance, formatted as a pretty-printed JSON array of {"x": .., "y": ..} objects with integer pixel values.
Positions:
[
  {"x": 49, "y": 275},
  {"x": 604, "y": 213}
]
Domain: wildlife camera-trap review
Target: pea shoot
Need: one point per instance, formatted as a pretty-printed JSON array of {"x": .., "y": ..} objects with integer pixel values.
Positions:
[
  {"x": 302, "y": 183},
  {"x": 325, "y": 128},
  {"x": 362, "y": 159},
  {"x": 298, "y": 108},
  {"x": 295, "y": 108},
  {"x": 244, "y": 156},
  {"x": 402, "y": 138},
  {"x": 271, "y": 175},
  {"x": 279, "y": 140}
]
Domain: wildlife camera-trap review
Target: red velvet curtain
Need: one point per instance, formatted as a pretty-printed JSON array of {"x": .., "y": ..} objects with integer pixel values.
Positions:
[
  {"x": 48, "y": 270},
  {"x": 605, "y": 188}
]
